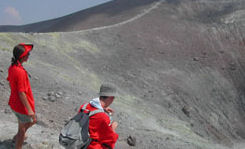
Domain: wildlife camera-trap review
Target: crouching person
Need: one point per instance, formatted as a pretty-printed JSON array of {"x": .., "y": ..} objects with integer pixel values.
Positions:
[{"x": 101, "y": 129}]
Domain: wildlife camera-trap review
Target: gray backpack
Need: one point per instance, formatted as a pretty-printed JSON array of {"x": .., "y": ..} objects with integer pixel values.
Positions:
[{"x": 75, "y": 134}]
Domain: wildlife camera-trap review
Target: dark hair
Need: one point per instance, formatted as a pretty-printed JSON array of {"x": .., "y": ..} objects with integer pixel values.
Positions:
[
  {"x": 18, "y": 50},
  {"x": 103, "y": 97}
]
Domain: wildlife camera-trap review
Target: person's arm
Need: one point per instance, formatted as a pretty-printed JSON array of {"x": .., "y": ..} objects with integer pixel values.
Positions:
[
  {"x": 109, "y": 110},
  {"x": 114, "y": 126},
  {"x": 20, "y": 78},
  {"x": 25, "y": 102},
  {"x": 107, "y": 134}
]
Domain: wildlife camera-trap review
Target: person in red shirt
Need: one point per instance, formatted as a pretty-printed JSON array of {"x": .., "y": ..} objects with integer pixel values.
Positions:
[
  {"x": 21, "y": 100},
  {"x": 102, "y": 129}
]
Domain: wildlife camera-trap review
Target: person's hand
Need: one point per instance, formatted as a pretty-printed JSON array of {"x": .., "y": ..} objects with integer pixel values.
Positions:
[
  {"x": 109, "y": 110},
  {"x": 114, "y": 125},
  {"x": 32, "y": 115},
  {"x": 30, "y": 112},
  {"x": 34, "y": 118}
]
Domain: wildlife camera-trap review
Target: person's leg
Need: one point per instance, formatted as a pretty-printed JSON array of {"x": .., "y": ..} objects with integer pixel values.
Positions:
[
  {"x": 14, "y": 138},
  {"x": 30, "y": 124},
  {"x": 24, "y": 122},
  {"x": 27, "y": 126},
  {"x": 20, "y": 136}
]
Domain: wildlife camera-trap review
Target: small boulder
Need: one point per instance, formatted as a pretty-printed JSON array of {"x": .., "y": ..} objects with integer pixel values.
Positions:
[
  {"x": 1, "y": 83},
  {"x": 45, "y": 98},
  {"x": 232, "y": 66},
  {"x": 196, "y": 59},
  {"x": 52, "y": 98},
  {"x": 80, "y": 93},
  {"x": 186, "y": 110},
  {"x": 161, "y": 52},
  {"x": 57, "y": 95},
  {"x": 131, "y": 141},
  {"x": 7, "y": 111},
  {"x": 50, "y": 94},
  {"x": 192, "y": 125},
  {"x": 221, "y": 52},
  {"x": 36, "y": 78}
]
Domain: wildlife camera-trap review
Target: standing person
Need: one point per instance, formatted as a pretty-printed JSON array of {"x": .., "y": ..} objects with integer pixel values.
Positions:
[
  {"x": 102, "y": 129},
  {"x": 21, "y": 100}
]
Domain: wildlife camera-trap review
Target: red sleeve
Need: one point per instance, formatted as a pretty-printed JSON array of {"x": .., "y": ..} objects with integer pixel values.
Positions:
[
  {"x": 21, "y": 81},
  {"x": 106, "y": 134},
  {"x": 8, "y": 78}
]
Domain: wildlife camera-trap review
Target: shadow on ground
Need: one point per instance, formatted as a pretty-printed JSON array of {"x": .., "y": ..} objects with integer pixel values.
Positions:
[{"x": 7, "y": 144}]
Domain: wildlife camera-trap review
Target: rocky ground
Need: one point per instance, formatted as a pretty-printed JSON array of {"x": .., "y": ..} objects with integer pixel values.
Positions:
[{"x": 178, "y": 65}]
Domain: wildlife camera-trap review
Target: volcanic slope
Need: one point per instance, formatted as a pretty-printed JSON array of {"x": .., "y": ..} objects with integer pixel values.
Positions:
[
  {"x": 179, "y": 67},
  {"x": 110, "y": 13}
]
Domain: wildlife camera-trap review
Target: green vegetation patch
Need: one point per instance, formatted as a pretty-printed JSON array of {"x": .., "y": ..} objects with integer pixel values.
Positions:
[
  {"x": 88, "y": 46},
  {"x": 6, "y": 42}
]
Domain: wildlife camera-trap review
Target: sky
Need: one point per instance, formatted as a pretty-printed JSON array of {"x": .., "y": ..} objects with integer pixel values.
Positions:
[{"x": 20, "y": 12}]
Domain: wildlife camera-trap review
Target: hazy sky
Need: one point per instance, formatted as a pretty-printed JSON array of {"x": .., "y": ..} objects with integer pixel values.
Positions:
[{"x": 18, "y": 12}]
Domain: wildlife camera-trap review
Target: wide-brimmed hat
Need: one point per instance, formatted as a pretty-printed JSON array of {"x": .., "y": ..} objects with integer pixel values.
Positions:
[
  {"x": 107, "y": 90},
  {"x": 28, "y": 48}
]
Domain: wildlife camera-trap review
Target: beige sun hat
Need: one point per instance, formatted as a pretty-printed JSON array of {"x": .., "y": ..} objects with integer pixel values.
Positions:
[{"x": 107, "y": 90}]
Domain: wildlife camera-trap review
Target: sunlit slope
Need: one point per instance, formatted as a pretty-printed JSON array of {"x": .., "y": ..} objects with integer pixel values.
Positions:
[{"x": 180, "y": 76}]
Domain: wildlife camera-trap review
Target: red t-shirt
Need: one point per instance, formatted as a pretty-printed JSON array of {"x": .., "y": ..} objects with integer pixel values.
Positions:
[
  {"x": 100, "y": 131},
  {"x": 19, "y": 82}
]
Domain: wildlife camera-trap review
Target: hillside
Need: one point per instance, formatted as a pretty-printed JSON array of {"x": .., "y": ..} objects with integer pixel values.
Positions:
[
  {"x": 179, "y": 67},
  {"x": 110, "y": 13}
]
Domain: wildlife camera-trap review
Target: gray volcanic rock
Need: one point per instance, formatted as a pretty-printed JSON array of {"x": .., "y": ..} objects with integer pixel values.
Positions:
[
  {"x": 178, "y": 65},
  {"x": 131, "y": 141}
]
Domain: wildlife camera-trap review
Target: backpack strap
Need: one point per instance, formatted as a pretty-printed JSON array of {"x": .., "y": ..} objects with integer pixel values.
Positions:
[
  {"x": 85, "y": 106},
  {"x": 91, "y": 113},
  {"x": 95, "y": 112}
]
